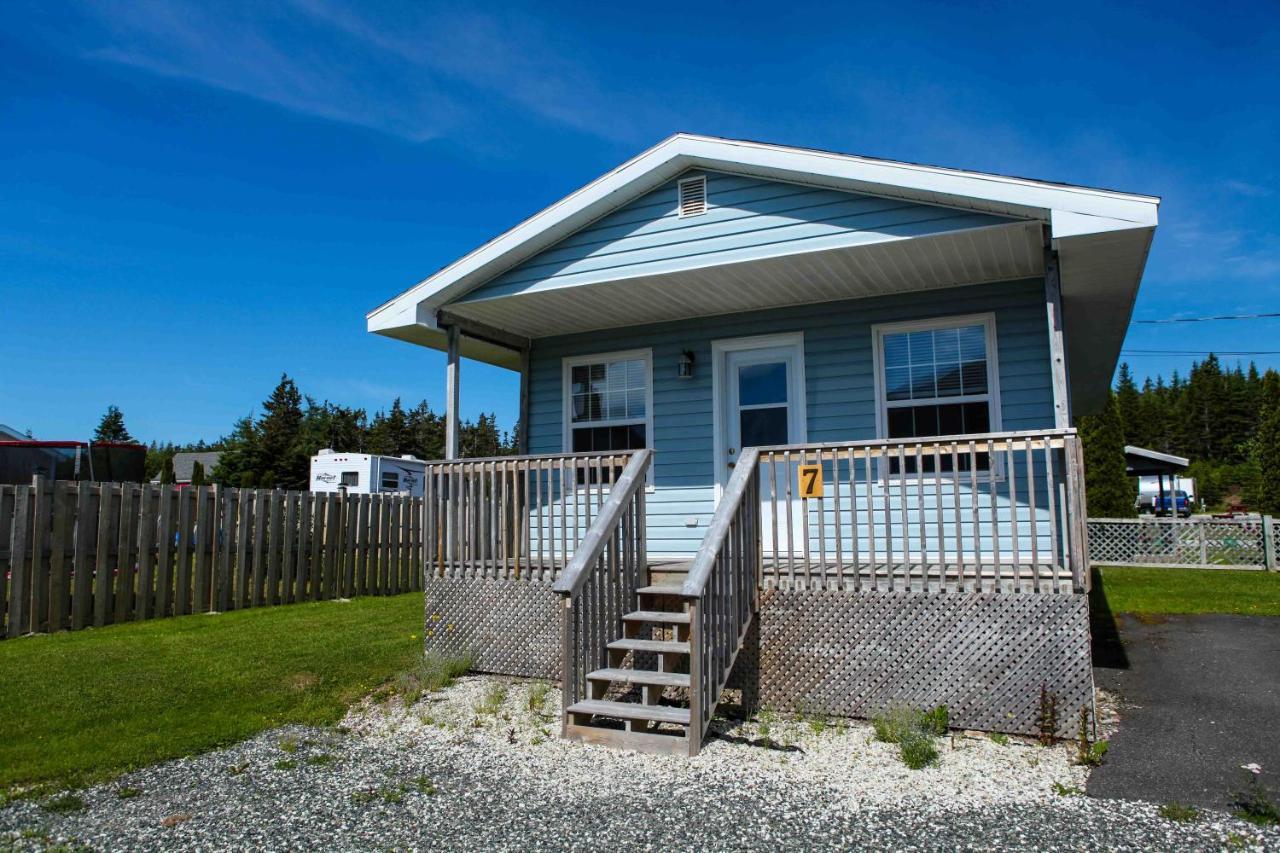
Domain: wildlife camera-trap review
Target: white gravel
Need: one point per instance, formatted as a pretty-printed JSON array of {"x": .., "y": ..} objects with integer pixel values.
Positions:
[{"x": 444, "y": 775}]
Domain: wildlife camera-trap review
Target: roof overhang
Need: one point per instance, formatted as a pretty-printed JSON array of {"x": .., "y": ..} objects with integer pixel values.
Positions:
[
  {"x": 1139, "y": 461},
  {"x": 1102, "y": 238}
]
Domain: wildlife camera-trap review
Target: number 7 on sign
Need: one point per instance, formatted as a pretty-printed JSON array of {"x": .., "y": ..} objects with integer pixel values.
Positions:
[{"x": 810, "y": 480}]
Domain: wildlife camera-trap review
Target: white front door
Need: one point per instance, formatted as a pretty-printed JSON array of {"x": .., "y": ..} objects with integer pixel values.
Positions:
[{"x": 760, "y": 395}]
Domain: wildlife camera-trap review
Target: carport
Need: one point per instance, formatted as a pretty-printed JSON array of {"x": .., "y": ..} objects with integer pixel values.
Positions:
[{"x": 1141, "y": 462}]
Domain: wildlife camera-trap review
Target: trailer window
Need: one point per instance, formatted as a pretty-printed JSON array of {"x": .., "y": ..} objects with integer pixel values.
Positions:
[
  {"x": 390, "y": 480},
  {"x": 350, "y": 478}
]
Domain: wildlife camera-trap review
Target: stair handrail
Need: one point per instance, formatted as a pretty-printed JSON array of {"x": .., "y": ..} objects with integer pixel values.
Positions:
[
  {"x": 600, "y": 582},
  {"x": 587, "y": 554},
  {"x": 723, "y": 592}
]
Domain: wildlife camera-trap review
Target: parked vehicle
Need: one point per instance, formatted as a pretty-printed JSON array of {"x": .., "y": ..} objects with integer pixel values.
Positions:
[
  {"x": 1183, "y": 504},
  {"x": 366, "y": 473}
]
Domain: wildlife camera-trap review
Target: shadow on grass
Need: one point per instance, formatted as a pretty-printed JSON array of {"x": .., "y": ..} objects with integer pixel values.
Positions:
[{"x": 1108, "y": 648}]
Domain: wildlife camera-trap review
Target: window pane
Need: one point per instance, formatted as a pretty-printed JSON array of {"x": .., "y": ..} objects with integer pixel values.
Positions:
[
  {"x": 897, "y": 381},
  {"x": 598, "y": 374},
  {"x": 901, "y": 423},
  {"x": 946, "y": 345},
  {"x": 763, "y": 427},
  {"x": 895, "y": 351},
  {"x": 949, "y": 380},
  {"x": 951, "y": 420},
  {"x": 617, "y": 408},
  {"x": 977, "y": 417},
  {"x": 635, "y": 374},
  {"x": 581, "y": 376},
  {"x": 921, "y": 381},
  {"x": 762, "y": 383},
  {"x": 975, "y": 377},
  {"x": 635, "y": 437},
  {"x": 921, "y": 347},
  {"x": 973, "y": 343}
]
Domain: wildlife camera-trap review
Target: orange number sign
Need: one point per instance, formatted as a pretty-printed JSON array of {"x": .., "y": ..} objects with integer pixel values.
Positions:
[{"x": 810, "y": 480}]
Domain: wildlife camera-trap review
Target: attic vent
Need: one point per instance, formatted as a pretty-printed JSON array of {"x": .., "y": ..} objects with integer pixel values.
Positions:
[{"x": 693, "y": 196}]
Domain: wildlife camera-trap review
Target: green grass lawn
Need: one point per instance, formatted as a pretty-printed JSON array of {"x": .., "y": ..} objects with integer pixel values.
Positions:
[
  {"x": 1159, "y": 591},
  {"x": 84, "y": 705}
]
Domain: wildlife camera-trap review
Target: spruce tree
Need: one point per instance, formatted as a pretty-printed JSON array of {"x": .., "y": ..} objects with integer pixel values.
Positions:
[
  {"x": 1129, "y": 403},
  {"x": 111, "y": 427},
  {"x": 197, "y": 474},
  {"x": 1266, "y": 444},
  {"x": 166, "y": 471},
  {"x": 284, "y": 465},
  {"x": 1109, "y": 490}
]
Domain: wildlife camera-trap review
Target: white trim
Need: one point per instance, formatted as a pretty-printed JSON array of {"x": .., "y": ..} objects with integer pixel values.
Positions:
[
  {"x": 1011, "y": 196},
  {"x": 797, "y": 392},
  {"x": 566, "y": 387},
  {"x": 993, "y": 399}
]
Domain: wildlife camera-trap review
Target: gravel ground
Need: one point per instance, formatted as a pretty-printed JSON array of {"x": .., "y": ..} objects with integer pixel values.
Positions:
[{"x": 444, "y": 775}]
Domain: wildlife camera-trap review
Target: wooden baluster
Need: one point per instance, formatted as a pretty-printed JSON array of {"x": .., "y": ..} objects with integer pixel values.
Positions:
[
  {"x": 975, "y": 498},
  {"x": 937, "y": 511},
  {"x": 955, "y": 494},
  {"x": 1050, "y": 505},
  {"x": 835, "y": 483},
  {"x": 1031, "y": 504}
]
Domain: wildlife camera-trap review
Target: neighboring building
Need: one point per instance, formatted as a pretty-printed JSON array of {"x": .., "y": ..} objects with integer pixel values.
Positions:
[
  {"x": 184, "y": 463},
  {"x": 821, "y": 404},
  {"x": 366, "y": 474},
  {"x": 8, "y": 433}
]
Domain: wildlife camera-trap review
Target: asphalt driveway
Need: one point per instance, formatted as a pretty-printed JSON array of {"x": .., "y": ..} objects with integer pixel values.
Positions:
[{"x": 1200, "y": 696}]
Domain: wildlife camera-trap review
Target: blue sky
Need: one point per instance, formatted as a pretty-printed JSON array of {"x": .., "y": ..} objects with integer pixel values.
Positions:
[{"x": 193, "y": 201}]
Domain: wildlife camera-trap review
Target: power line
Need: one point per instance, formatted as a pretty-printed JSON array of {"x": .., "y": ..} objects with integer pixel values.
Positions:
[
  {"x": 1186, "y": 352},
  {"x": 1267, "y": 316}
]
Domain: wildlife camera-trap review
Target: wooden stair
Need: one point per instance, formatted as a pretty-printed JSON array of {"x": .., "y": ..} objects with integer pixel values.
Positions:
[{"x": 656, "y": 717}]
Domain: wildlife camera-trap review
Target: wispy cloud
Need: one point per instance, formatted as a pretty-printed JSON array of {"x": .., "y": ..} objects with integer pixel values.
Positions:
[
  {"x": 1245, "y": 188},
  {"x": 409, "y": 70}
]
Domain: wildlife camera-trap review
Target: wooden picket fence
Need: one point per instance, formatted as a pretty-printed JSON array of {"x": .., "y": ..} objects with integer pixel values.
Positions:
[{"x": 76, "y": 554}]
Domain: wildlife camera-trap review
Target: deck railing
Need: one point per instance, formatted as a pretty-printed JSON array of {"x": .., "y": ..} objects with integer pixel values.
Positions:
[
  {"x": 722, "y": 589},
  {"x": 513, "y": 517},
  {"x": 598, "y": 586},
  {"x": 992, "y": 512}
]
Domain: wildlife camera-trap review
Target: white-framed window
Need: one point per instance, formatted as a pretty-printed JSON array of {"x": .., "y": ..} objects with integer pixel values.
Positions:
[
  {"x": 351, "y": 479},
  {"x": 608, "y": 401},
  {"x": 937, "y": 377}
]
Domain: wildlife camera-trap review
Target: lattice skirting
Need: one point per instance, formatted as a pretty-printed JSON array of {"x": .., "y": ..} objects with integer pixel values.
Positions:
[
  {"x": 983, "y": 655},
  {"x": 509, "y": 627}
]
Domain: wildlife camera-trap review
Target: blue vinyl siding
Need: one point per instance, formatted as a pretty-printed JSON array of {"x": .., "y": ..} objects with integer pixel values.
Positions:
[
  {"x": 840, "y": 386},
  {"x": 748, "y": 218}
]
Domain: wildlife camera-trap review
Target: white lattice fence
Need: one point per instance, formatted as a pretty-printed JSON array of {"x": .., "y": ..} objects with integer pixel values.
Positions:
[{"x": 1198, "y": 543}]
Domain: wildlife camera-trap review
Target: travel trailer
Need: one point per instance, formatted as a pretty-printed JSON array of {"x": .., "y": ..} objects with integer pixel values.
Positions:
[{"x": 366, "y": 473}]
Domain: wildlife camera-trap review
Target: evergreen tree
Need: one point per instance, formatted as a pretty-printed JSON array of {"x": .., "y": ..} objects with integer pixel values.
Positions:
[
  {"x": 389, "y": 433},
  {"x": 284, "y": 465},
  {"x": 241, "y": 457},
  {"x": 1129, "y": 404},
  {"x": 111, "y": 427},
  {"x": 166, "y": 471},
  {"x": 425, "y": 432},
  {"x": 1109, "y": 490},
  {"x": 1266, "y": 444},
  {"x": 197, "y": 473}
]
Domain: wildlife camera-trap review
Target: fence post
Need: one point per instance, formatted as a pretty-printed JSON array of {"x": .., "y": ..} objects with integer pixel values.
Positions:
[{"x": 1269, "y": 543}]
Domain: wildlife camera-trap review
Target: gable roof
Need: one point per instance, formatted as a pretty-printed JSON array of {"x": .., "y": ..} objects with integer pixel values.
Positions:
[
  {"x": 1102, "y": 236},
  {"x": 184, "y": 463}
]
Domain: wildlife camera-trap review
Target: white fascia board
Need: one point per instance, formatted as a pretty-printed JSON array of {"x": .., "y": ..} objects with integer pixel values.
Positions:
[
  {"x": 1156, "y": 455},
  {"x": 1076, "y": 208}
]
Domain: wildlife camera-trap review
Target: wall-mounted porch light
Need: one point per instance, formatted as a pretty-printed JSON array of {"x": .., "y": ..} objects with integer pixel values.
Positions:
[{"x": 685, "y": 368}]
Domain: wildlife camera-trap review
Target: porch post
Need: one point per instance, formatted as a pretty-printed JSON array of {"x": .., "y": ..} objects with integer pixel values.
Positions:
[
  {"x": 1057, "y": 346},
  {"x": 523, "y": 448},
  {"x": 451, "y": 395}
]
